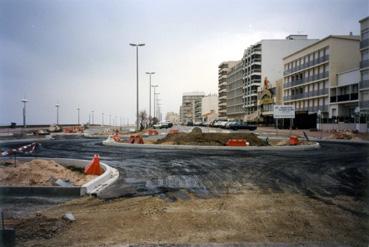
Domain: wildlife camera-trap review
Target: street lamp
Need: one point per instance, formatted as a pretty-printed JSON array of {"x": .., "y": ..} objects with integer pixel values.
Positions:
[
  {"x": 155, "y": 102},
  {"x": 102, "y": 119},
  {"x": 57, "y": 113},
  {"x": 150, "y": 74},
  {"x": 137, "y": 113},
  {"x": 24, "y": 101},
  {"x": 78, "y": 109},
  {"x": 93, "y": 117}
]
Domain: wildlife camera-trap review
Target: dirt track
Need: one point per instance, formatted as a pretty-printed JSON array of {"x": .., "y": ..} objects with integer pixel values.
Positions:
[{"x": 250, "y": 216}]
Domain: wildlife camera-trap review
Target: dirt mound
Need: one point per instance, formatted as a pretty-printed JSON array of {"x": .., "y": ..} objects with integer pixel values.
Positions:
[
  {"x": 41, "y": 173},
  {"x": 212, "y": 139},
  {"x": 40, "y": 227}
]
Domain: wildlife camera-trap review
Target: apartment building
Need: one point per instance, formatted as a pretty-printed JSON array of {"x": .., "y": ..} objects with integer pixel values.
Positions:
[
  {"x": 209, "y": 107},
  {"x": 235, "y": 92},
  {"x": 223, "y": 70},
  {"x": 190, "y": 110},
  {"x": 364, "y": 68},
  {"x": 172, "y": 117},
  {"x": 344, "y": 96},
  {"x": 265, "y": 60},
  {"x": 312, "y": 70}
]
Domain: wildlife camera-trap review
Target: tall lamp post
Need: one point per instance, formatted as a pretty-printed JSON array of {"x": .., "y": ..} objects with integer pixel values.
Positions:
[
  {"x": 57, "y": 113},
  {"x": 78, "y": 109},
  {"x": 102, "y": 119},
  {"x": 155, "y": 103},
  {"x": 137, "y": 111},
  {"x": 150, "y": 74},
  {"x": 154, "y": 87},
  {"x": 24, "y": 101}
]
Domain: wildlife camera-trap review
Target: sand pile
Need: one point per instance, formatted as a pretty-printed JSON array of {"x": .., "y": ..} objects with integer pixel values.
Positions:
[
  {"x": 41, "y": 173},
  {"x": 212, "y": 139}
]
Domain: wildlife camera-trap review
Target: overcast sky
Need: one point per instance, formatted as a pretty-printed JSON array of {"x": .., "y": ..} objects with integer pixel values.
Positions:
[{"x": 77, "y": 53}]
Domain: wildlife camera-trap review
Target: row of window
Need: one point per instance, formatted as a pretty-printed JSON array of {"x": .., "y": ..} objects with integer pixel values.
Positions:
[{"x": 307, "y": 59}]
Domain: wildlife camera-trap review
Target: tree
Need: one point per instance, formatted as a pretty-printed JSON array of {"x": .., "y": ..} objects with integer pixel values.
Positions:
[{"x": 143, "y": 119}]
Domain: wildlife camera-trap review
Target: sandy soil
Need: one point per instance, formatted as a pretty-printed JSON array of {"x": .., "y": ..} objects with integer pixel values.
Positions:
[
  {"x": 251, "y": 216},
  {"x": 40, "y": 173},
  {"x": 215, "y": 139}
]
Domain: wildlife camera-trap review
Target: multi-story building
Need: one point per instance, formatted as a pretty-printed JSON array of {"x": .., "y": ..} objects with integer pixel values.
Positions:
[
  {"x": 364, "y": 69},
  {"x": 209, "y": 107},
  {"x": 172, "y": 117},
  {"x": 344, "y": 96},
  {"x": 265, "y": 60},
  {"x": 223, "y": 70},
  {"x": 312, "y": 70},
  {"x": 190, "y": 110},
  {"x": 235, "y": 92}
]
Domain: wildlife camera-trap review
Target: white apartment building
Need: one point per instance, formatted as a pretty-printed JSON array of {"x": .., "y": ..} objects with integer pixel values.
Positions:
[
  {"x": 235, "y": 92},
  {"x": 265, "y": 60},
  {"x": 311, "y": 71},
  {"x": 364, "y": 68},
  {"x": 209, "y": 107},
  {"x": 223, "y": 70}
]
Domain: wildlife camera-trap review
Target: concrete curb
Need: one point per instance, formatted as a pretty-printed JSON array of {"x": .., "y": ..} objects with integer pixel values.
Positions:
[
  {"x": 196, "y": 147},
  {"x": 93, "y": 187},
  {"x": 46, "y": 138},
  {"x": 313, "y": 139}
]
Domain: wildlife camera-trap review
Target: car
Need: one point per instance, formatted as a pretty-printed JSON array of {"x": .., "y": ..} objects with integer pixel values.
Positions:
[
  {"x": 189, "y": 123},
  {"x": 236, "y": 125},
  {"x": 163, "y": 125}
]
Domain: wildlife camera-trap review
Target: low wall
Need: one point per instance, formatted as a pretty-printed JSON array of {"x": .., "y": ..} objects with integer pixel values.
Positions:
[
  {"x": 93, "y": 187},
  {"x": 363, "y": 127}
]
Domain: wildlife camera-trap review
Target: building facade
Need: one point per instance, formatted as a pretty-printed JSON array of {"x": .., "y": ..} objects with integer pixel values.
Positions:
[
  {"x": 364, "y": 69},
  {"x": 344, "y": 96},
  {"x": 268, "y": 96},
  {"x": 190, "y": 110},
  {"x": 172, "y": 117},
  {"x": 264, "y": 60},
  {"x": 223, "y": 70},
  {"x": 310, "y": 72},
  {"x": 235, "y": 92},
  {"x": 209, "y": 108}
]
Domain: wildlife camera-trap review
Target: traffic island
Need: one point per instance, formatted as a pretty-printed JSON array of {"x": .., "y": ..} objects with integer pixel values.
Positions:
[{"x": 196, "y": 140}]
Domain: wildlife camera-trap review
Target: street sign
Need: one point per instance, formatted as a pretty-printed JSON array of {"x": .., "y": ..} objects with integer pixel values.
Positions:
[{"x": 284, "y": 111}]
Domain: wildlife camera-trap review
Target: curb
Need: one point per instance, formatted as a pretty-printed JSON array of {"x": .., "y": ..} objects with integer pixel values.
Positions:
[
  {"x": 93, "y": 187},
  {"x": 46, "y": 138},
  {"x": 315, "y": 145}
]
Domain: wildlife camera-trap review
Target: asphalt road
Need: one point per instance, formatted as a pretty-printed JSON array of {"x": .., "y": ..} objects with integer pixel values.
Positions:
[{"x": 334, "y": 170}]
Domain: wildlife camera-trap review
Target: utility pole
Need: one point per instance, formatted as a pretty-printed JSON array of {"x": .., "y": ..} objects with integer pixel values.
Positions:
[
  {"x": 24, "y": 101},
  {"x": 150, "y": 74},
  {"x": 102, "y": 119},
  {"x": 57, "y": 113},
  {"x": 93, "y": 117},
  {"x": 78, "y": 109},
  {"x": 137, "y": 110}
]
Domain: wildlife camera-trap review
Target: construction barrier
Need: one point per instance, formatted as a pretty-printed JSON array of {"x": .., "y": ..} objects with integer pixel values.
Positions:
[
  {"x": 135, "y": 139},
  {"x": 152, "y": 132},
  {"x": 94, "y": 167},
  {"x": 237, "y": 142},
  {"x": 173, "y": 131},
  {"x": 294, "y": 140}
]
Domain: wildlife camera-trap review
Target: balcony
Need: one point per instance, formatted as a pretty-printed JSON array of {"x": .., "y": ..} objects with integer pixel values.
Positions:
[
  {"x": 364, "y": 84},
  {"x": 344, "y": 98},
  {"x": 364, "y": 63},
  {"x": 306, "y": 80},
  {"x": 364, "y": 43},
  {"x": 316, "y": 61},
  {"x": 323, "y": 108},
  {"x": 315, "y": 93}
]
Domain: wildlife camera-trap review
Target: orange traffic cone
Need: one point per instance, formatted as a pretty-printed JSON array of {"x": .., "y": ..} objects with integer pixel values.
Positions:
[{"x": 94, "y": 167}]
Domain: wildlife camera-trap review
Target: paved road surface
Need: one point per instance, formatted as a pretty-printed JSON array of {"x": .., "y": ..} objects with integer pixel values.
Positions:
[{"x": 334, "y": 170}]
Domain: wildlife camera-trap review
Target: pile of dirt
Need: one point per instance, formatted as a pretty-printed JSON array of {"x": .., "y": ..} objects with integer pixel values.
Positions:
[
  {"x": 40, "y": 227},
  {"x": 250, "y": 216},
  {"x": 209, "y": 139},
  {"x": 342, "y": 135},
  {"x": 40, "y": 173}
]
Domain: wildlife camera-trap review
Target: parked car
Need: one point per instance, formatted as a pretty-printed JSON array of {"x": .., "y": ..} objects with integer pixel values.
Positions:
[
  {"x": 236, "y": 125},
  {"x": 163, "y": 125},
  {"x": 189, "y": 123}
]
